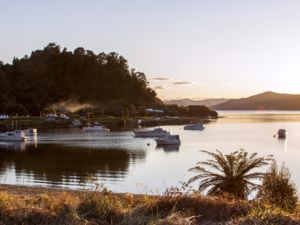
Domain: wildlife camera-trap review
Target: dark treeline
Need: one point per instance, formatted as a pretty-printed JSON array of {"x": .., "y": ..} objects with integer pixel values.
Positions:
[
  {"x": 51, "y": 75},
  {"x": 104, "y": 81}
]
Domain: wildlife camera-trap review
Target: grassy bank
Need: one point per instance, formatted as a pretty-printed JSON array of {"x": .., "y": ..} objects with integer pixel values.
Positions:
[{"x": 24, "y": 205}]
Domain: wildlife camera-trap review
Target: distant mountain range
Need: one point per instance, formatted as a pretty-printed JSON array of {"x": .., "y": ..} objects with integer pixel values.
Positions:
[
  {"x": 207, "y": 102},
  {"x": 264, "y": 101}
]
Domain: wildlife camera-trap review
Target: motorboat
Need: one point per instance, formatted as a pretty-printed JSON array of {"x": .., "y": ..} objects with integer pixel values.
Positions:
[
  {"x": 94, "y": 127},
  {"x": 194, "y": 126},
  {"x": 168, "y": 140},
  {"x": 157, "y": 132},
  {"x": 16, "y": 135},
  {"x": 281, "y": 133},
  {"x": 30, "y": 132}
]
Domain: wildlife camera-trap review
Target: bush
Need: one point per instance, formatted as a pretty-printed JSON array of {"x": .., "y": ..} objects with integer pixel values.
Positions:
[{"x": 278, "y": 189}]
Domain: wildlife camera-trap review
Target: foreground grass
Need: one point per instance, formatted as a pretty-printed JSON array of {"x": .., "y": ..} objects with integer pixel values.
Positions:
[{"x": 21, "y": 205}]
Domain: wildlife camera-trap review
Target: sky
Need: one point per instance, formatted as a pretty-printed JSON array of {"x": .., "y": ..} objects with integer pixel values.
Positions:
[{"x": 188, "y": 49}]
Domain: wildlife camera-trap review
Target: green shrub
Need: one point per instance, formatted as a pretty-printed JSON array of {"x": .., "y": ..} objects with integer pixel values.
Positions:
[{"x": 278, "y": 189}]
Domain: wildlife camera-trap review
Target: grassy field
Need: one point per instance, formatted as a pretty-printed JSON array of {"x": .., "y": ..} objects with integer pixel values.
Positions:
[{"x": 24, "y": 205}]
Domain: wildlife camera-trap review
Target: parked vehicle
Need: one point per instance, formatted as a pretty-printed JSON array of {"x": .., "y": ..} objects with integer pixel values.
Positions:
[{"x": 4, "y": 117}]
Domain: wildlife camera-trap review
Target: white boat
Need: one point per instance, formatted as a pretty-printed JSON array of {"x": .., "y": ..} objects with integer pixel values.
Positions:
[
  {"x": 95, "y": 127},
  {"x": 168, "y": 140},
  {"x": 157, "y": 132},
  {"x": 194, "y": 126},
  {"x": 30, "y": 132},
  {"x": 281, "y": 133},
  {"x": 16, "y": 135}
]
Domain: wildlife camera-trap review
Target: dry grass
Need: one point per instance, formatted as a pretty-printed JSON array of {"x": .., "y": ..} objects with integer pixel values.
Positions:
[{"x": 40, "y": 206}]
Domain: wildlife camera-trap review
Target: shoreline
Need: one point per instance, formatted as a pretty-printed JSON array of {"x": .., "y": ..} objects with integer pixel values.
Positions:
[
  {"x": 110, "y": 122},
  {"x": 37, "y": 205}
]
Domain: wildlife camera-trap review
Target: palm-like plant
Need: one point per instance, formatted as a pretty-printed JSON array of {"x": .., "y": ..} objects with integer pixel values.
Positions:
[{"x": 231, "y": 174}]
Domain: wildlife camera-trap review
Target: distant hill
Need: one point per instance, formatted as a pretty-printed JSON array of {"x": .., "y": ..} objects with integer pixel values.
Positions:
[
  {"x": 207, "y": 102},
  {"x": 264, "y": 101}
]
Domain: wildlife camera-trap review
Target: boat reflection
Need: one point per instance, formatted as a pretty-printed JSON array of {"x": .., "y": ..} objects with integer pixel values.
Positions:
[
  {"x": 283, "y": 143},
  {"x": 168, "y": 148},
  {"x": 13, "y": 145},
  {"x": 19, "y": 145}
]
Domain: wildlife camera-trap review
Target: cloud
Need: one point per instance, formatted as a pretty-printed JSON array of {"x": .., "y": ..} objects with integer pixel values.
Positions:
[
  {"x": 160, "y": 78},
  {"x": 158, "y": 88},
  {"x": 181, "y": 82}
]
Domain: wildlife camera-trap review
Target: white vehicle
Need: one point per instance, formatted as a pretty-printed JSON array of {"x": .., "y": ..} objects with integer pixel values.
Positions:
[
  {"x": 64, "y": 116},
  {"x": 194, "y": 126},
  {"x": 16, "y": 135},
  {"x": 3, "y": 116},
  {"x": 95, "y": 127},
  {"x": 52, "y": 117},
  {"x": 76, "y": 123},
  {"x": 157, "y": 132},
  {"x": 168, "y": 140}
]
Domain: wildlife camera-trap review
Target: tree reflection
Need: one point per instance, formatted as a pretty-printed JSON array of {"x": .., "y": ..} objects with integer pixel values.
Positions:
[{"x": 58, "y": 164}]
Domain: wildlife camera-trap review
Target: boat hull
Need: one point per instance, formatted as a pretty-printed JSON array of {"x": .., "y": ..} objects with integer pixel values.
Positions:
[
  {"x": 167, "y": 142},
  {"x": 13, "y": 136},
  {"x": 149, "y": 135},
  {"x": 92, "y": 129}
]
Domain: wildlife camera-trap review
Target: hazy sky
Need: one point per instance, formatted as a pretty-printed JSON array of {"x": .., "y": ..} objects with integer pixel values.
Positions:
[{"x": 196, "y": 49}]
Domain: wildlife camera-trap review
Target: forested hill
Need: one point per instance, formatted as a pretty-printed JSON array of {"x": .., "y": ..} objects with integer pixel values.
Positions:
[
  {"x": 264, "y": 101},
  {"x": 51, "y": 75}
]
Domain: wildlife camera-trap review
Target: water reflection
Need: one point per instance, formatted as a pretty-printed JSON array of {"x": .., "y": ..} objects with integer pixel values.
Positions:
[
  {"x": 283, "y": 143},
  {"x": 63, "y": 165},
  {"x": 168, "y": 148}
]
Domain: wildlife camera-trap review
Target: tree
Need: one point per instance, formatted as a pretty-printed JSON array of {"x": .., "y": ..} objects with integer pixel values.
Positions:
[{"x": 230, "y": 174}]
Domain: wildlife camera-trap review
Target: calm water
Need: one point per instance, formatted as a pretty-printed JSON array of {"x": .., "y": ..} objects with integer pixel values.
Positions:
[{"x": 68, "y": 158}]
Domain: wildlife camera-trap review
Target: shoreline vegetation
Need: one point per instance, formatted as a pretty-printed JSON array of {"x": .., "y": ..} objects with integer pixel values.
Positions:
[
  {"x": 226, "y": 201},
  {"x": 36, "y": 205}
]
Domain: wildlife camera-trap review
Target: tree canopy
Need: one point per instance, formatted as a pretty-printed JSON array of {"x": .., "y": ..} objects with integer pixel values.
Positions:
[{"x": 52, "y": 75}]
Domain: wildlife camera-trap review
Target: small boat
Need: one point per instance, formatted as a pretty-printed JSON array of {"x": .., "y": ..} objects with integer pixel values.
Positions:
[
  {"x": 16, "y": 135},
  {"x": 281, "y": 133},
  {"x": 157, "y": 132},
  {"x": 194, "y": 126},
  {"x": 30, "y": 132},
  {"x": 95, "y": 127},
  {"x": 168, "y": 140}
]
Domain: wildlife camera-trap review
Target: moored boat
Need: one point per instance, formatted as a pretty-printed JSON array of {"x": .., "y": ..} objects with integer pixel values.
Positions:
[
  {"x": 157, "y": 132},
  {"x": 16, "y": 135},
  {"x": 94, "y": 127},
  {"x": 168, "y": 140},
  {"x": 30, "y": 132},
  {"x": 194, "y": 126},
  {"x": 281, "y": 133}
]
